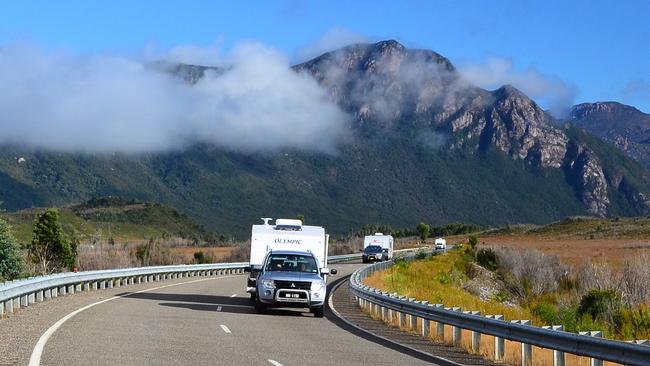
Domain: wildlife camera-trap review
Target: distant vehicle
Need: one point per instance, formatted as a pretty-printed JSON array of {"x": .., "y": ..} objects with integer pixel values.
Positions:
[
  {"x": 441, "y": 244},
  {"x": 372, "y": 253},
  {"x": 292, "y": 279},
  {"x": 287, "y": 235},
  {"x": 384, "y": 241}
]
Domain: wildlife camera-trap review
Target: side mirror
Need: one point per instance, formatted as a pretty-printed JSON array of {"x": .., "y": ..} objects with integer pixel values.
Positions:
[
  {"x": 324, "y": 271},
  {"x": 333, "y": 271}
]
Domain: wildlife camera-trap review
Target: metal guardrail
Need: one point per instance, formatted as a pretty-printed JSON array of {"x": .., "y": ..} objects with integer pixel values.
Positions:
[
  {"x": 598, "y": 349},
  {"x": 24, "y": 292}
]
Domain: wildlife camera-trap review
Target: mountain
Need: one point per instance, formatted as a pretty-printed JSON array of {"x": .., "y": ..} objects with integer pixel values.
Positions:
[
  {"x": 427, "y": 146},
  {"x": 621, "y": 125}
]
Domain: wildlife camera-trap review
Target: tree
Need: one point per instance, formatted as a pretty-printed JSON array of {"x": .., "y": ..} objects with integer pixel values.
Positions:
[
  {"x": 301, "y": 217},
  {"x": 11, "y": 261},
  {"x": 50, "y": 249},
  {"x": 423, "y": 230}
]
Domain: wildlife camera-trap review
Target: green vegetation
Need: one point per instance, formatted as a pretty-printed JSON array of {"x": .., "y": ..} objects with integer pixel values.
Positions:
[
  {"x": 11, "y": 260},
  {"x": 423, "y": 231},
  {"x": 50, "y": 250},
  {"x": 114, "y": 220},
  {"x": 228, "y": 191},
  {"x": 583, "y": 227}
]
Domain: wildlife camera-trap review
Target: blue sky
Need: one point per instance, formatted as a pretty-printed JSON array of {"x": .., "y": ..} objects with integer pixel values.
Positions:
[{"x": 598, "y": 49}]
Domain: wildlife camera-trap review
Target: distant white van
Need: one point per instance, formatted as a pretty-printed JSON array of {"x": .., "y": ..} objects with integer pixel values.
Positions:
[
  {"x": 441, "y": 244},
  {"x": 384, "y": 241}
]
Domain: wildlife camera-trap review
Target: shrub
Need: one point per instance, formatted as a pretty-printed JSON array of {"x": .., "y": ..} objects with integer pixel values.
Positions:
[
  {"x": 599, "y": 304},
  {"x": 199, "y": 257},
  {"x": 546, "y": 312},
  {"x": 632, "y": 323},
  {"x": 423, "y": 230},
  {"x": 531, "y": 272},
  {"x": 487, "y": 258},
  {"x": 473, "y": 241},
  {"x": 421, "y": 254}
]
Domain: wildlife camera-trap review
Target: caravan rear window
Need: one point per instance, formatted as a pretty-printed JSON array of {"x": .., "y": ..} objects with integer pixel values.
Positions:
[{"x": 291, "y": 263}]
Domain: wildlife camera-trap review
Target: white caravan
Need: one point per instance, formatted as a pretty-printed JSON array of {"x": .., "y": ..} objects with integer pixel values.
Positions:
[
  {"x": 441, "y": 244},
  {"x": 384, "y": 241},
  {"x": 285, "y": 235}
]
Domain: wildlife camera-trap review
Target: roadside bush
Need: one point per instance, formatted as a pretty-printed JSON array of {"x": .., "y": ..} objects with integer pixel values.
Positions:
[
  {"x": 596, "y": 276},
  {"x": 473, "y": 241},
  {"x": 600, "y": 304},
  {"x": 530, "y": 272},
  {"x": 546, "y": 312},
  {"x": 487, "y": 258},
  {"x": 634, "y": 278},
  {"x": 421, "y": 254},
  {"x": 632, "y": 323}
]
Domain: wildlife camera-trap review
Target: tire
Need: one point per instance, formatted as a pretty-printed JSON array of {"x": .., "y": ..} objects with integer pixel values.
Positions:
[
  {"x": 317, "y": 311},
  {"x": 260, "y": 308},
  {"x": 253, "y": 297}
]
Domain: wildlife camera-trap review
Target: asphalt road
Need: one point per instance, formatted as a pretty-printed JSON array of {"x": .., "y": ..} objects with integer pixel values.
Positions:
[{"x": 208, "y": 322}]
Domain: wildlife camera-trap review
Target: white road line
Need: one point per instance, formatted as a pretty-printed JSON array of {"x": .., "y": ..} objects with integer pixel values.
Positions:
[
  {"x": 275, "y": 363},
  {"x": 219, "y": 308},
  {"x": 37, "y": 352},
  {"x": 233, "y": 295},
  {"x": 225, "y": 329}
]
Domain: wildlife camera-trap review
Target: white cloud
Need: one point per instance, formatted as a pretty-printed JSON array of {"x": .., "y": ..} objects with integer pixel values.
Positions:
[
  {"x": 551, "y": 91},
  {"x": 333, "y": 39},
  {"x": 60, "y": 101}
]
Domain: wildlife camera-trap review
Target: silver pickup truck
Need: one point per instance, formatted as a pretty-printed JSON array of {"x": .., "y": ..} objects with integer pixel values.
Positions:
[{"x": 291, "y": 279}]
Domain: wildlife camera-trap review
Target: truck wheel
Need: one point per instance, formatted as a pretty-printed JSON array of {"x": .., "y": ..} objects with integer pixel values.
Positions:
[
  {"x": 253, "y": 297},
  {"x": 317, "y": 311},
  {"x": 259, "y": 307}
]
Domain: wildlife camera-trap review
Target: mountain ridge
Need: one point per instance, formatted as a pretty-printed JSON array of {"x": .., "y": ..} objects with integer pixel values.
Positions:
[{"x": 428, "y": 146}]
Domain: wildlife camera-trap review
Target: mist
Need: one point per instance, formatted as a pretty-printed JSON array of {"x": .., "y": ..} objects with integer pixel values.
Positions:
[
  {"x": 550, "y": 91},
  {"x": 61, "y": 101}
]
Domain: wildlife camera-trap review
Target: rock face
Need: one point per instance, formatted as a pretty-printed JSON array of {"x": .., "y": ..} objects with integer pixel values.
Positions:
[
  {"x": 388, "y": 87},
  {"x": 623, "y": 126}
]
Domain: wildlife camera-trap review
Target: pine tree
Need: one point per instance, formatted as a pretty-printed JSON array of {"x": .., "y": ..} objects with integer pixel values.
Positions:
[{"x": 50, "y": 249}]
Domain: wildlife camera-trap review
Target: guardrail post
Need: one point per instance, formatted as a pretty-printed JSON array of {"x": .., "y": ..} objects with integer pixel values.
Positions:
[
  {"x": 412, "y": 321},
  {"x": 456, "y": 332},
  {"x": 86, "y": 286},
  {"x": 9, "y": 306},
  {"x": 475, "y": 336},
  {"x": 558, "y": 356},
  {"x": 71, "y": 289},
  {"x": 526, "y": 349},
  {"x": 2, "y": 310},
  {"x": 499, "y": 343},
  {"x": 39, "y": 296},
  {"x": 139, "y": 279},
  {"x": 94, "y": 285},
  {"x": 440, "y": 327},
  {"x": 55, "y": 292},
  {"x": 24, "y": 301},
  {"x": 110, "y": 283},
  {"x": 597, "y": 334},
  {"x": 102, "y": 285},
  {"x": 426, "y": 323},
  {"x": 77, "y": 287},
  {"x": 62, "y": 290},
  {"x": 31, "y": 298},
  {"x": 47, "y": 294}
]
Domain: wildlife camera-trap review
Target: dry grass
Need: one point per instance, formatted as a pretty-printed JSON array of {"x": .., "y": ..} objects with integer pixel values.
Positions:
[{"x": 575, "y": 251}]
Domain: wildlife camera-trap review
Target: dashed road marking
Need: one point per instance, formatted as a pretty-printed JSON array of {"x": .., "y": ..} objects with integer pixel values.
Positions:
[
  {"x": 275, "y": 363},
  {"x": 225, "y": 329}
]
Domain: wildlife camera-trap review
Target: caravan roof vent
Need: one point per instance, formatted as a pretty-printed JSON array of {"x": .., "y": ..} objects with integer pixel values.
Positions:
[
  {"x": 379, "y": 234},
  {"x": 288, "y": 224},
  {"x": 266, "y": 220}
]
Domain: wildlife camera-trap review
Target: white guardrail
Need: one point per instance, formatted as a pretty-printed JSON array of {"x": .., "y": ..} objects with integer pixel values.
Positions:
[
  {"x": 406, "y": 312},
  {"x": 22, "y": 293}
]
